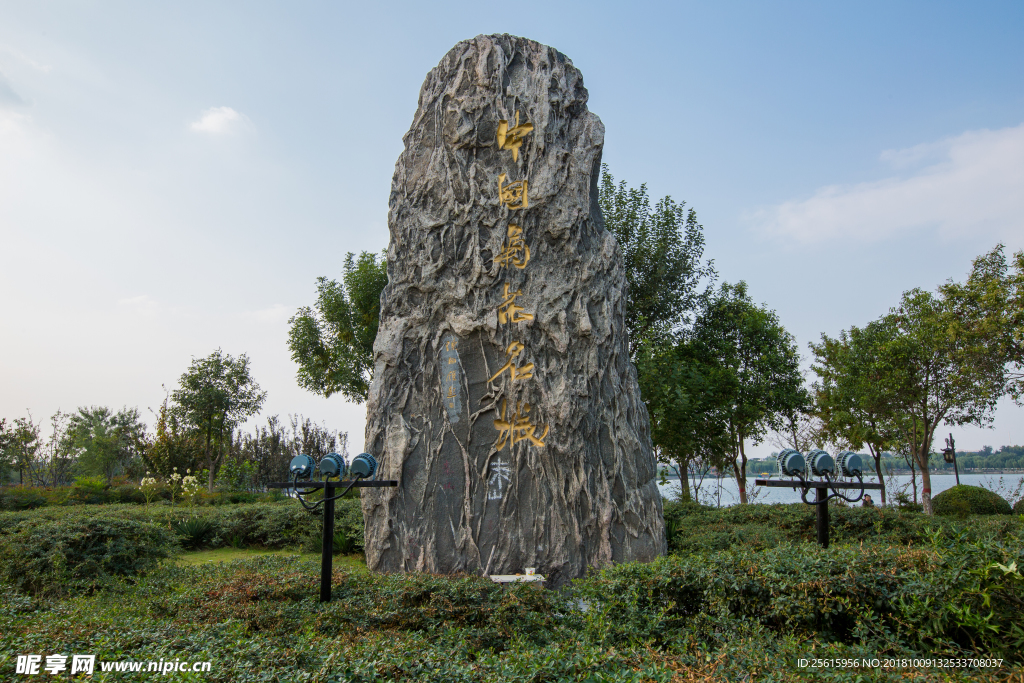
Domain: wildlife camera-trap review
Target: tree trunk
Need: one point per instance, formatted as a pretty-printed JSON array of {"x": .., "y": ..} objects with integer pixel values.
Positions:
[
  {"x": 741, "y": 473},
  {"x": 876, "y": 454},
  {"x": 926, "y": 477},
  {"x": 913, "y": 476},
  {"x": 684, "y": 482},
  {"x": 209, "y": 458}
]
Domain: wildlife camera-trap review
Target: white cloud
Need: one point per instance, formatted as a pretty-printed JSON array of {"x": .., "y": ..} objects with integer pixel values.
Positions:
[
  {"x": 968, "y": 184},
  {"x": 222, "y": 120}
]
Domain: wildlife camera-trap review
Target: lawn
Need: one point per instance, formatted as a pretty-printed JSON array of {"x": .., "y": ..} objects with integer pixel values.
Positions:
[{"x": 354, "y": 562}]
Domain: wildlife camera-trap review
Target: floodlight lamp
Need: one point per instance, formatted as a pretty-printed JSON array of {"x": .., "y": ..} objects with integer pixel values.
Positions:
[
  {"x": 301, "y": 466},
  {"x": 333, "y": 465},
  {"x": 850, "y": 464},
  {"x": 791, "y": 463},
  {"x": 820, "y": 463},
  {"x": 363, "y": 466}
]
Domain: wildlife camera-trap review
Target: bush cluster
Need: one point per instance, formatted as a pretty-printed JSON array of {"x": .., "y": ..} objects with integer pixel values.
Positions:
[
  {"x": 79, "y": 554},
  {"x": 90, "y": 491},
  {"x": 964, "y": 500},
  {"x": 695, "y": 528},
  {"x": 738, "y": 614},
  {"x": 268, "y": 525}
]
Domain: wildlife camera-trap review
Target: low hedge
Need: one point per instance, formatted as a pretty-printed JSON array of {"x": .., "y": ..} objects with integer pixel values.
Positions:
[
  {"x": 88, "y": 493},
  {"x": 270, "y": 525},
  {"x": 79, "y": 554},
  {"x": 695, "y": 528},
  {"x": 966, "y": 500}
]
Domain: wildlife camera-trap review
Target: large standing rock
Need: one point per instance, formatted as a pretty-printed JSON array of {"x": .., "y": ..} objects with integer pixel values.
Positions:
[{"x": 503, "y": 398}]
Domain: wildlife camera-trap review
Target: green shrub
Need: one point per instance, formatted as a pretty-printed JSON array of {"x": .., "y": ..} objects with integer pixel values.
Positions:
[
  {"x": 961, "y": 592},
  {"x": 193, "y": 531},
  {"x": 86, "y": 490},
  {"x": 699, "y": 528},
  {"x": 22, "y": 497},
  {"x": 1018, "y": 507},
  {"x": 73, "y": 554},
  {"x": 964, "y": 500},
  {"x": 127, "y": 493}
]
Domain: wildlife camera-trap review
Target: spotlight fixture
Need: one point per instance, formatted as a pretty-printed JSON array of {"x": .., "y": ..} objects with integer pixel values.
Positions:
[
  {"x": 302, "y": 466},
  {"x": 820, "y": 463},
  {"x": 791, "y": 463},
  {"x": 363, "y": 466},
  {"x": 850, "y": 464},
  {"x": 333, "y": 465}
]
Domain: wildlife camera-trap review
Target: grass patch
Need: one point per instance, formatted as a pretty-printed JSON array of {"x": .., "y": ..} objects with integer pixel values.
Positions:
[{"x": 354, "y": 562}]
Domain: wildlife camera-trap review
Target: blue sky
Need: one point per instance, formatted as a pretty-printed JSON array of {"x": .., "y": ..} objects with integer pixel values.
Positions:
[{"x": 174, "y": 176}]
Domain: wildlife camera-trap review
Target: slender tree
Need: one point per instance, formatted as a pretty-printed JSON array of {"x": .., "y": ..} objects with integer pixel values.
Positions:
[
  {"x": 216, "y": 394},
  {"x": 174, "y": 446},
  {"x": 760, "y": 368},
  {"x": 688, "y": 397},
  {"x": 853, "y": 401}
]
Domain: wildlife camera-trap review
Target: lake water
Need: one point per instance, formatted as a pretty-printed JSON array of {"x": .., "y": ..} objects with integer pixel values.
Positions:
[{"x": 726, "y": 490}]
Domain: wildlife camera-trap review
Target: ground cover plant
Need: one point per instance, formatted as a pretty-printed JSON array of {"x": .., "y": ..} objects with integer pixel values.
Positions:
[{"x": 745, "y": 611}]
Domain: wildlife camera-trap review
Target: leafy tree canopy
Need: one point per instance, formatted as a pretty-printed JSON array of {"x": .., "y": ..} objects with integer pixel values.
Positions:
[
  {"x": 729, "y": 376},
  {"x": 217, "y": 393},
  {"x": 662, "y": 248},
  {"x": 108, "y": 443},
  {"x": 759, "y": 369},
  {"x": 333, "y": 341},
  {"x": 942, "y": 358}
]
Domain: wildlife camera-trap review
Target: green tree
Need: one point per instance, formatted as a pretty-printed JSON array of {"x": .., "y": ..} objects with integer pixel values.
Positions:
[
  {"x": 333, "y": 341},
  {"x": 988, "y": 309},
  {"x": 758, "y": 370},
  {"x": 687, "y": 396},
  {"x": 109, "y": 443},
  {"x": 943, "y": 358},
  {"x": 851, "y": 398},
  {"x": 938, "y": 370},
  {"x": 173, "y": 446},
  {"x": 662, "y": 249},
  {"x": 216, "y": 394},
  {"x": 6, "y": 459},
  {"x": 19, "y": 443}
]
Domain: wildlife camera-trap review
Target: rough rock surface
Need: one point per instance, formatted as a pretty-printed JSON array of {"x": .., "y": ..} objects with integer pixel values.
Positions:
[{"x": 569, "y": 482}]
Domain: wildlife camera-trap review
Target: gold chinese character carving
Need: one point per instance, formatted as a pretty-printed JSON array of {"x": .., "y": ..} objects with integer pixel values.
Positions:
[
  {"x": 451, "y": 361},
  {"x": 517, "y": 373},
  {"x": 513, "y": 194},
  {"x": 512, "y": 138},
  {"x": 515, "y": 251},
  {"x": 509, "y": 312},
  {"x": 517, "y": 428}
]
